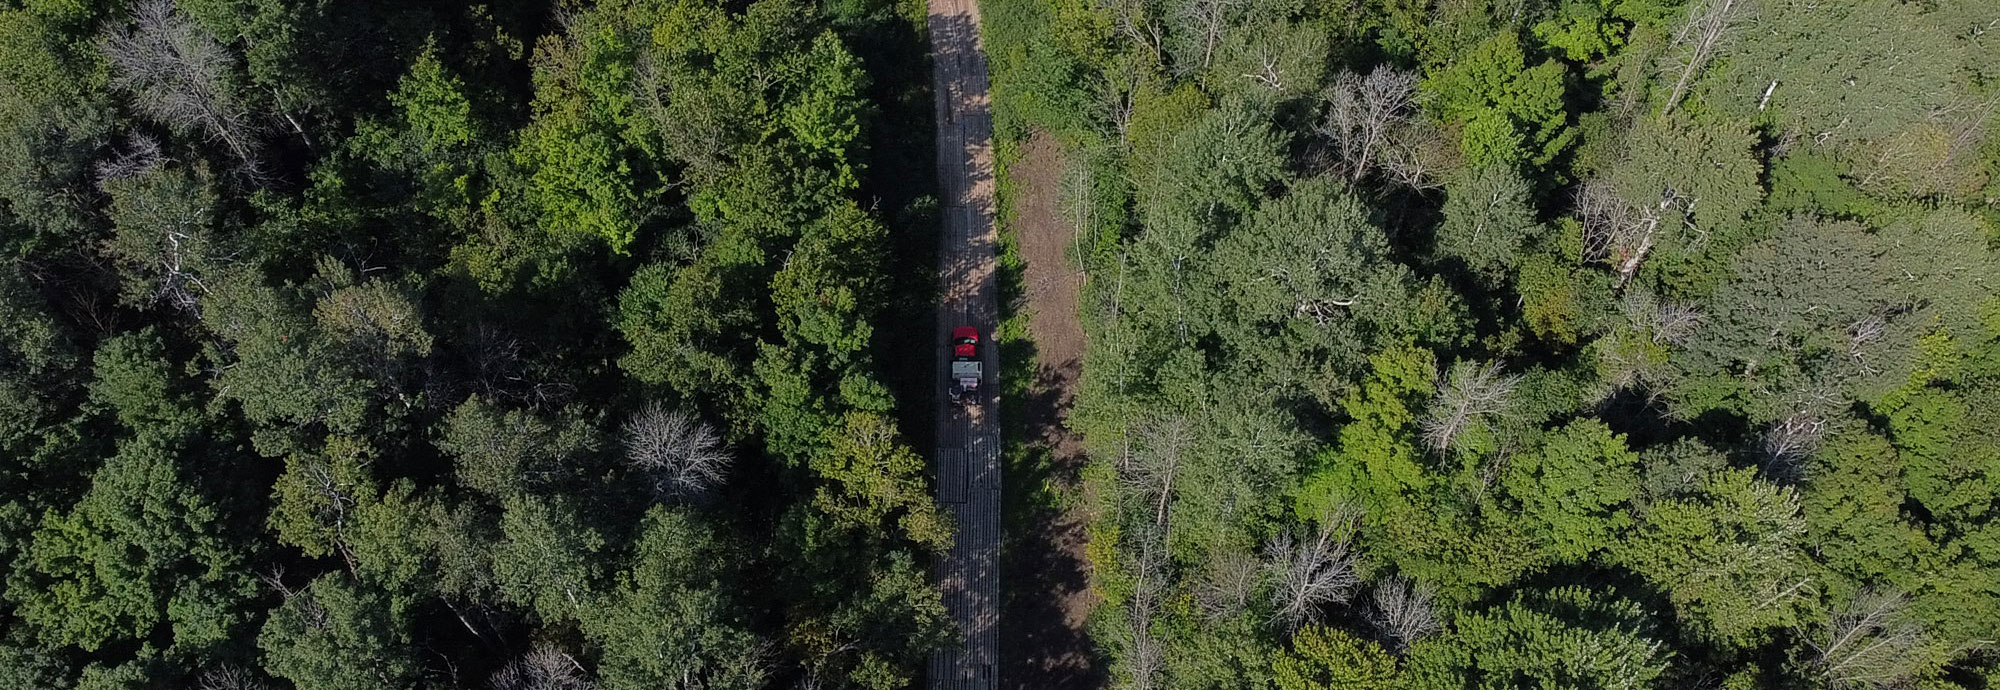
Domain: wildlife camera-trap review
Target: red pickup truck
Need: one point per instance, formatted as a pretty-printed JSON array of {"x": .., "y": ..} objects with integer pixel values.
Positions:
[{"x": 965, "y": 366}]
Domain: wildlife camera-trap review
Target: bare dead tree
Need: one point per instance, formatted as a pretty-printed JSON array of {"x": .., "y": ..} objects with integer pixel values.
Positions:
[
  {"x": 179, "y": 75},
  {"x": 140, "y": 156},
  {"x": 1362, "y": 114},
  {"x": 1469, "y": 392},
  {"x": 1135, "y": 21},
  {"x": 1313, "y": 570},
  {"x": 1870, "y": 643},
  {"x": 682, "y": 456},
  {"x": 1674, "y": 322},
  {"x": 1699, "y": 39},
  {"x": 1228, "y": 584},
  {"x": 1788, "y": 441},
  {"x": 543, "y": 668},
  {"x": 1417, "y": 152},
  {"x": 1150, "y": 468},
  {"x": 1617, "y": 231},
  {"x": 1207, "y": 23},
  {"x": 1147, "y": 657},
  {"x": 1401, "y": 611},
  {"x": 230, "y": 678}
]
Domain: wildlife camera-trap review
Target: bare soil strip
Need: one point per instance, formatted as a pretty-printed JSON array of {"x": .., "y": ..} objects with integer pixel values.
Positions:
[{"x": 1048, "y": 598}]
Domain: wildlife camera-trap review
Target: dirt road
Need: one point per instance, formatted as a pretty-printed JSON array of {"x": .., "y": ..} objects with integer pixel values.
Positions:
[{"x": 968, "y": 436}]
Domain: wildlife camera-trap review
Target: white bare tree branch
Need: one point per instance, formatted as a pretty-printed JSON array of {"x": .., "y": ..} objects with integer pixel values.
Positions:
[
  {"x": 683, "y": 457},
  {"x": 179, "y": 75},
  {"x": 1207, "y": 23},
  {"x": 1788, "y": 441},
  {"x": 141, "y": 155},
  {"x": 1617, "y": 231},
  {"x": 1313, "y": 570},
  {"x": 1151, "y": 467},
  {"x": 543, "y": 668},
  {"x": 1870, "y": 643},
  {"x": 1147, "y": 657},
  {"x": 1401, "y": 611},
  {"x": 1363, "y": 114},
  {"x": 230, "y": 678},
  {"x": 1700, "y": 38},
  {"x": 1470, "y": 392},
  {"x": 1226, "y": 587}
]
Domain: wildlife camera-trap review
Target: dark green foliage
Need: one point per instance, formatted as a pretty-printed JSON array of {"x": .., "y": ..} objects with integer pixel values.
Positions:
[
  {"x": 318, "y": 323},
  {"x": 668, "y": 618},
  {"x": 337, "y": 635}
]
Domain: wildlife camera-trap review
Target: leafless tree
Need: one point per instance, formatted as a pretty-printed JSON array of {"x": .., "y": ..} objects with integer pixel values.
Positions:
[
  {"x": 1401, "y": 611},
  {"x": 1313, "y": 570},
  {"x": 1206, "y": 24},
  {"x": 1674, "y": 322},
  {"x": 1364, "y": 113},
  {"x": 1619, "y": 232},
  {"x": 1788, "y": 441},
  {"x": 542, "y": 668},
  {"x": 1136, "y": 21},
  {"x": 1226, "y": 587},
  {"x": 141, "y": 156},
  {"x": 682, "y": 456},
  {"x": 180, "y": 75},
  {"x": 1698, "y": 40},
  {"x": 230, "y": 678},
  {"x": 1470, "y": 392},
  {"x": 1149, "y": 567},
  {"x": 1870, "y": 643},
  {"x": 1153, "y": 464}
]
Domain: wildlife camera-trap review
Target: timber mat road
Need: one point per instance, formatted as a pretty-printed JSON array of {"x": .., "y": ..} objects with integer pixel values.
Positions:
[{"x": 968, "y": 436}]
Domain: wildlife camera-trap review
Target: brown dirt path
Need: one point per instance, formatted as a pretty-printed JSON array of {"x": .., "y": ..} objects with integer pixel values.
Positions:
[{"x": 1048, "y": 598}]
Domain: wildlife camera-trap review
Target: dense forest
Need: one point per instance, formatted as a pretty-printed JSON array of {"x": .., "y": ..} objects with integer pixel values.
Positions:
[
  {"x": 383, "y": 345},
  {"x": 1433, "y": 344},
  {"x": 1548, "y": 344}
]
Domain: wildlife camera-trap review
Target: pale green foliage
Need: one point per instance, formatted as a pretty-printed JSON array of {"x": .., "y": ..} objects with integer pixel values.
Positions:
[
  {"x": 1730, "y": 557},
  {"x": 874, "y": 482},
  {"x": 1832, "y": 308},
  {"x": 547, "y": 560},
  {"x": 317, "y": 495},
  {"x": 139, "y": 551},
  {"x": 825, "y": 116},
  {"x": 1707, "y": 168},
  {"x": 1848, "y": 73},
  {"x": 1574, "y": 491},
  {"x": 434, "y": 106},
  {"x": 1511, "y": 114},
  {"x": 1310, "y": 265},
  {"x": 1332, "y": 659},
  {"x": 505, "y": 453},
  {"x": 830, "y": 284},
  {"x": 1216, "y": 171}
]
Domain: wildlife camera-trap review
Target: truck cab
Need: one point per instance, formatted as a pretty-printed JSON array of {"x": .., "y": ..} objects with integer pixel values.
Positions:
[{"x": 965, "y": 365}]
